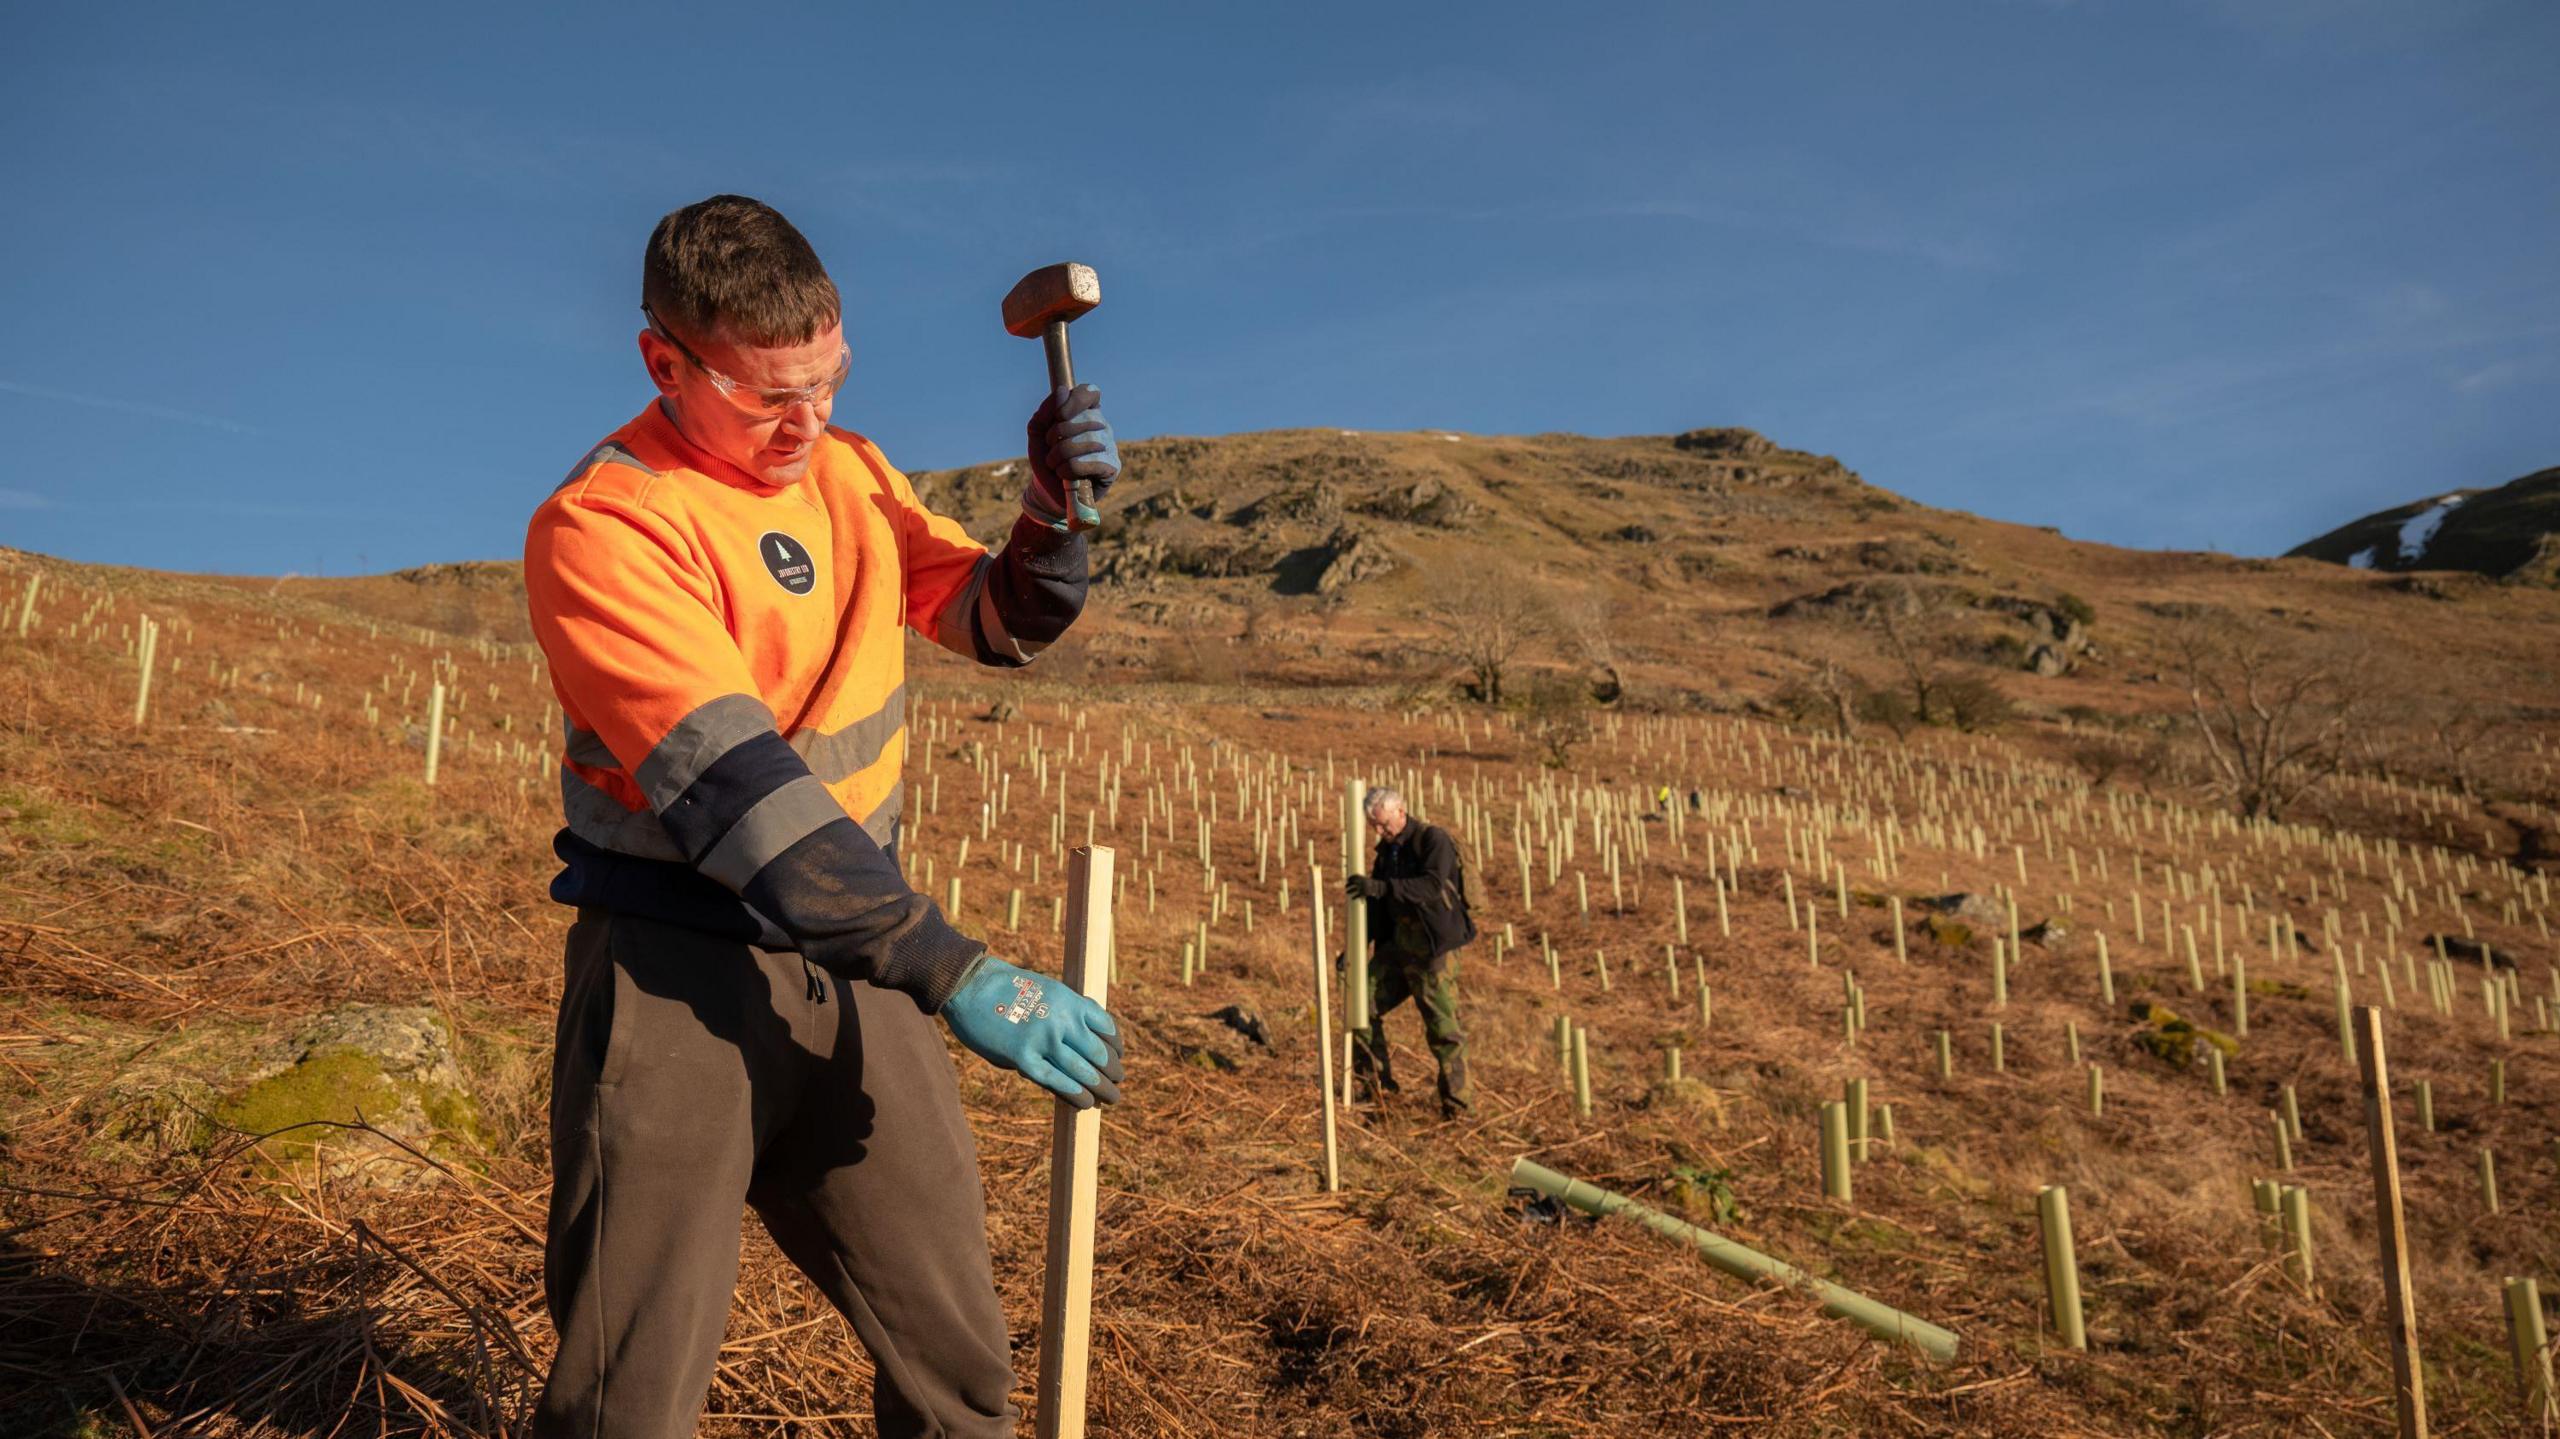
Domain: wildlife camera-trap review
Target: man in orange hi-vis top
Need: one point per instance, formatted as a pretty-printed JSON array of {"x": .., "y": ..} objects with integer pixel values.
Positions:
[{"x": 722, "y": 589}]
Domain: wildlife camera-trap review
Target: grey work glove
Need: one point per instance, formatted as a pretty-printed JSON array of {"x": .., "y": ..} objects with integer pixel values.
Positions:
[{"x": 1069, "y": 441}]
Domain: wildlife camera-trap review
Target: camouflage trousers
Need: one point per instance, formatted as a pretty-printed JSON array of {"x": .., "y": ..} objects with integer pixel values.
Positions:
[{"x": 1432, "y": 985}]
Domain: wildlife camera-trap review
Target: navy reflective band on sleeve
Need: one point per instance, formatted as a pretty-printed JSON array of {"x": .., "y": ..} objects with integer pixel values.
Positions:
[
  {"x": 727, "y": 788},
  {"x": 684, "y": 752}
]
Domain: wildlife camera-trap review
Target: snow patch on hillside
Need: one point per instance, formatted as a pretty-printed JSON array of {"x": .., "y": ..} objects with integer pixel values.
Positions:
[
  {"x": 2361, "y": 559},
  {"x": 2420, "y": 529}
]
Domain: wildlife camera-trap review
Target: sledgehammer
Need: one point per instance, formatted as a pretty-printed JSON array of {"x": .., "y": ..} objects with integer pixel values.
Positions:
[{"x": 1044, "y": 303}]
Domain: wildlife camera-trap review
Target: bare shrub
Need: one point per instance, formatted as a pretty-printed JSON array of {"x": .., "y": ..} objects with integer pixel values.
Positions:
[
  {"x": 1486, "y": 621},
  {"x": 2272, "y": 715},
  {"x": 1878, "y": 704},
  {"x": 1974, "y": 703},
  {"x": 1556, "y": 713}
]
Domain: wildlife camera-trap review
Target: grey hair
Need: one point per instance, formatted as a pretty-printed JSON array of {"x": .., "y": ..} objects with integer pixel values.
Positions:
[{"x": 1380, "y": 798}]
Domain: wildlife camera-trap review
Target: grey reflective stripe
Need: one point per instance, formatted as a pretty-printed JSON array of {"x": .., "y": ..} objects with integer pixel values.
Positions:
[
  {"x": 698, "y": 739},
  {"x": 777, "y": 822},
  {"x": 849, "y": 751},
  {"x": 607, "y": 453},
  {"x": 991, "y": 628},
  {"x": 882, "y": 823},
  {"x": 951, "y": 628},
  {"x": 588, "y": 748},
  {"x": 600, "y": 820}
]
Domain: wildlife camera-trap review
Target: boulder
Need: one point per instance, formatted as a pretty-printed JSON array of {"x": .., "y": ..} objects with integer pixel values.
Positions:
[
  {"x": 389, "y": 1068},
  {"x": 2053, "y": 935},
  {"x": 1980, "y": 911},
  {"x": 1245, "y": 1022}
]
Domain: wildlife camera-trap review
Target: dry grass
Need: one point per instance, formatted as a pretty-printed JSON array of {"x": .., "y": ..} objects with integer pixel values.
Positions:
[{"x": 244, "y": 860}]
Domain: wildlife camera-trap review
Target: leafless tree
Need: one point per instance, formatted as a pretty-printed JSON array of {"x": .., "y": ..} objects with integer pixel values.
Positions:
[
  {"x": 2273, "y": 715},
  {"x": 2465, "y": 735},
  {"x": 1909, "y": 628},
  {"x": 1587, "y": 624},
  {"x": 1826, "y": 695},
  {"x": 1486, "y": 620}
]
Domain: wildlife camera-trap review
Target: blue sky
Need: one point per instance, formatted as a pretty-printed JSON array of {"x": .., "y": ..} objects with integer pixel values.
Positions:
[{"x": 306, "y": 289}]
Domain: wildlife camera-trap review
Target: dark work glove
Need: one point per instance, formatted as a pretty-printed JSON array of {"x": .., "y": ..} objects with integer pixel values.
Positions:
[
  {"x": 1054, "y": 1037},
  {"x": 1361, "y": 886},
  {"x": 1070, "y": 441}
]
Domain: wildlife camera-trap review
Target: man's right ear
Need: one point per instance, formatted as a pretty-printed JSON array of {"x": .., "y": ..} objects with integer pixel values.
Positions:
[{"x": 661, "y": 361}]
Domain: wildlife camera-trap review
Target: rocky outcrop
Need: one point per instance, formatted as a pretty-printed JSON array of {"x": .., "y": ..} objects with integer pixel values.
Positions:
[
  {"x": 1728, "y": 442},
  {"x": 2059, "y": 639},
  {"x": 1355, "y": 555}
]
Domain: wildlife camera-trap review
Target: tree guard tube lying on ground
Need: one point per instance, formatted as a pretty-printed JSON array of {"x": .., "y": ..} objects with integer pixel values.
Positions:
[{"x": 1883, "y": 1321}]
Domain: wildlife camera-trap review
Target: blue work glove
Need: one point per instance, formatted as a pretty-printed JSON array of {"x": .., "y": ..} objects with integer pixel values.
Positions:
[
  {"x": 1051, "y": 1035},
  {"x": 1070, "y": 441}
]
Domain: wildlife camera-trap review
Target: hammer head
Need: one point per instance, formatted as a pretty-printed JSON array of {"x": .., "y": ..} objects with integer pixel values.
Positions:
[{"x": 1052, "y": 293}]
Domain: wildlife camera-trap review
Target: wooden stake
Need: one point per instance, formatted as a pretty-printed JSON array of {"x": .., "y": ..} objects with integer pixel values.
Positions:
[
  {"x": 2408, "y": 1377},
  {"x": 1075, "y": 1151}
]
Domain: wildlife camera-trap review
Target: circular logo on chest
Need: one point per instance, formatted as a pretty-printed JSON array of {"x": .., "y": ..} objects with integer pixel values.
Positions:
[{"x": 787, "y": 560}]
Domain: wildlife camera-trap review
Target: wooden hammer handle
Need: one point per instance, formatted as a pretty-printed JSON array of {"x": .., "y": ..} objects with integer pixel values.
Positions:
[{"x": 1062, "y": 376}]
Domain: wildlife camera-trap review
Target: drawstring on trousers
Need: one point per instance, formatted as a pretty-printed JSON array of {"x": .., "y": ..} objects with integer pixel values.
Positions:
[{"x": 817, "y": 981}]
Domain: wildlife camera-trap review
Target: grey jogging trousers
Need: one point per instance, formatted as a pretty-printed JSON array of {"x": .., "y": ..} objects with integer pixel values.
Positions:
[{"x": 695, "y": 1075}]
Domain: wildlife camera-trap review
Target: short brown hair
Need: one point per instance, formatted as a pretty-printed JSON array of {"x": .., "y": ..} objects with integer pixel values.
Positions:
[{"x": 732, "y": 269}]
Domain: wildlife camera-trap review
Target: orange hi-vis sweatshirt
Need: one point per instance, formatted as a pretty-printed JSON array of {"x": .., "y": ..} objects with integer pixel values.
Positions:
[{"x": 730, "y": 660}]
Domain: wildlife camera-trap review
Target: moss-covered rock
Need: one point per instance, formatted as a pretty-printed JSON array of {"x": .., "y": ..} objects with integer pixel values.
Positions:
[
  {"x": 388, "y": 1067},
  {"x": 2175, "y": 1040}
]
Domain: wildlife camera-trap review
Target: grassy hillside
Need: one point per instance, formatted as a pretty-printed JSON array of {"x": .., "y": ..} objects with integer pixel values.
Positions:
[
  {"x": 1709, "y": 569},
  {"x": 203, "y": 1220}
]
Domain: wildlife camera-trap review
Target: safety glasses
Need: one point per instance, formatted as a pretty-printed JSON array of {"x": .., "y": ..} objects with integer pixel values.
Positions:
[{"x": 763, "y": 403}]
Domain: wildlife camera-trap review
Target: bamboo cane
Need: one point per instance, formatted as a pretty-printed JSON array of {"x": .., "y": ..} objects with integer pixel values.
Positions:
[{"x": 1075, "y": 1146}]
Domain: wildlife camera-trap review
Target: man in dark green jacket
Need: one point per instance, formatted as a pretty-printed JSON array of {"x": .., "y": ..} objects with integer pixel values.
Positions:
[{"x": 1418, "y": 919}]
